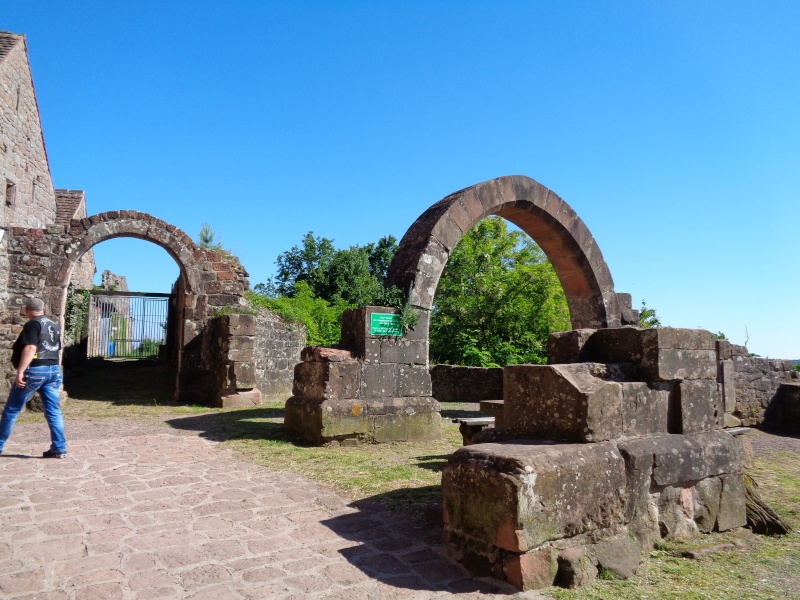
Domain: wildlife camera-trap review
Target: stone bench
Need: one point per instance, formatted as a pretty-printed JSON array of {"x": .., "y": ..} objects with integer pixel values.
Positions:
[
  {"x": 469, "y": 426},
  {"x": 494, "y": 408}
]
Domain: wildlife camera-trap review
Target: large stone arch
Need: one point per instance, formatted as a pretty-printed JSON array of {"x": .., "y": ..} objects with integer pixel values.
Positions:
[{"x": 551, "y": 222}]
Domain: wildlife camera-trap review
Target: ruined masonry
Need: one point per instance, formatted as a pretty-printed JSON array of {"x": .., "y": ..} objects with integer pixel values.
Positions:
[{"x": 615, "y": 445}]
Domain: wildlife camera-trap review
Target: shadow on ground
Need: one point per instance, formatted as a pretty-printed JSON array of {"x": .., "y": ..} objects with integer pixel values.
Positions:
[
  {"x": 404, "y": 553},
  {"x": 245, "y": 424},
  {"x": 122, "y": 382}
]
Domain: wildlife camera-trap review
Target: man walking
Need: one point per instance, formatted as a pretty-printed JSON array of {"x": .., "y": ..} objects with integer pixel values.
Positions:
[{"x": 35, "y": 356}]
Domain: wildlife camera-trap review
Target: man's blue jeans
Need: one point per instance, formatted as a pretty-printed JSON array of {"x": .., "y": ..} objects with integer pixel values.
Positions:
[{"x": 46, "y": 380}]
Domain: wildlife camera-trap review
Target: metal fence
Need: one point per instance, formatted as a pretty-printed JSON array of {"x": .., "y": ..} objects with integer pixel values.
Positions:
[{"x": 127, "y": 324}]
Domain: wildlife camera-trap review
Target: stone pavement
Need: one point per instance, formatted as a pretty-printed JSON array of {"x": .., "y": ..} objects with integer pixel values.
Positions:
[{"x": 156, "y": 513}]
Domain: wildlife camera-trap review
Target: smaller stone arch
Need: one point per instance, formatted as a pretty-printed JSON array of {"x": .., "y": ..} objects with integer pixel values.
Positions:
[
  {"x": 209, "y": 281},
  {"x": 550, "y": 221}
]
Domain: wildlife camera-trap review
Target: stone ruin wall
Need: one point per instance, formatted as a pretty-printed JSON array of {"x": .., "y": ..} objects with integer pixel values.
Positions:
[
  {"x": 455, "y": 383},
  {"x": 751, "y": 384},
  {"x": 748, "y": 386},
  {"x": 23, "y": 158},
  {"x": 277, "y": 350}
]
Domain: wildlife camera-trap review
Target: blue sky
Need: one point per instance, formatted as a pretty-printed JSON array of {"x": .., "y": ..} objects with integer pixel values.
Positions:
[{"x": 672, "y": 129}]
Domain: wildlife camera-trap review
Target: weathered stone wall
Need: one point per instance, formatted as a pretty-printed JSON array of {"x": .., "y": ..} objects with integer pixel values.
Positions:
[
  {"x": 454, "y": 383},
  {"x": 228, "y": 350},
  {"x": 42, "y": 261},
  {"x": 750, "y": 384},
  {"x": 27, "y": 187},
  {"x": 277, "y": 350}
]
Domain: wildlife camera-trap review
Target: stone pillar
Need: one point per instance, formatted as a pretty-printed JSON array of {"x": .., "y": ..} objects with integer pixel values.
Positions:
[{"x": 375, "y": 387}]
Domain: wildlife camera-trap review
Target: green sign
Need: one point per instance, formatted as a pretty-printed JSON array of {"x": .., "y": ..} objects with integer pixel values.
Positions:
[{"x": 385, "y": 324}]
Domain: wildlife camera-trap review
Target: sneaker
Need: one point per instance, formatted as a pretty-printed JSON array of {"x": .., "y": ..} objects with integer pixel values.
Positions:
[{"x": 54, "y": 454}]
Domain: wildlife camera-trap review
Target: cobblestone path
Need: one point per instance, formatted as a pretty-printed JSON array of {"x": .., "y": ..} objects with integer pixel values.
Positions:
[{"x": 154, "y": 513}]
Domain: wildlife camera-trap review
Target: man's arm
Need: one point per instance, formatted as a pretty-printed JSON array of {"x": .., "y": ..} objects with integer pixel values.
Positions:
[{"x": 28, "y": 352}]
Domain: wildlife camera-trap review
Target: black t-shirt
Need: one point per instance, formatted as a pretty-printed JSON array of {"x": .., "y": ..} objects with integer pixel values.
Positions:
[{"x": 30, "y": 335}]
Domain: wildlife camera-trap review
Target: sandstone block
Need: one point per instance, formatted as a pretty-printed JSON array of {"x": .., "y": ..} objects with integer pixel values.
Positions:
[
  {"x": 241, "y": 325},
  {"x": 401, "y": 351},
  {"x": 414, "y": 380},
  {"x": 732, "y": 506},
  {"x": 368, "y": 420},
  {"x": 620, "y": 556},
  {"x": 575, "y": 568},
  {"x": 645, "y": 408},
  {"x": 323, "y": 354},
  {"x": 532, "y": 570},
  {"x": 378, "y": 381},
  {"x": 242, "y": 375},
  {"x": 566, "y": 347},
  {"x": 240, "y": 399},
  {"x": 727, "y": 374},
  {"x": 519, "y": 495},
  {"x": 570, "y": 402},
  {"x": 696, "y": 407},
  {"x": 323, "y": 381}
]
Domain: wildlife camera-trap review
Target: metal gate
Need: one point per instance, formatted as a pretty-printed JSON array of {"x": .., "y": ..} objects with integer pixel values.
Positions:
[{"x": 128, "y": 324}]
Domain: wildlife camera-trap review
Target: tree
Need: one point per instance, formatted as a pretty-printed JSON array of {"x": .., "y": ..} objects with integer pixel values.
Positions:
[
  {"x": 316, "y": 282},
  {"x": 354, "y": 275},
  {"x": 647, "y": 317},
  {"x": 206, "y": 238},
  {"x": 497, "y": 301}
]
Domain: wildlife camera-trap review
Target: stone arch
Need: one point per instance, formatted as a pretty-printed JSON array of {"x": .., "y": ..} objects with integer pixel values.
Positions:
[
  {"x": 551, "y": 222},
  {"x": 88, "y": 232}
]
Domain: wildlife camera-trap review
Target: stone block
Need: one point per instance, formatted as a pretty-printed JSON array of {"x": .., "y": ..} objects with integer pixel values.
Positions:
[
  {"x": 369, "y": 420},
  {"x": 575, "y": 568},
  {"x": 620, "y": 556},
  {"x": 400, "y": 351},
  {"x": 566, "y": 347},
  {"x": 241, "y": 342},
  {"x": 322, "y": 380},
  {"x": 323, "y": 354},
  {"x": 413, "y": 380},
  {"x": 676, "y": 459},
  {"x": 242, "y": 375},
  {"x": 519, "y": 495},
  {"x": 241, "y": 399},
  {"x": 675, "y": 364},
  {"x": 241, "y": 325},
  {"x": 732, "y": 503},
  {"x": 532, "y": 570},
  {"x": 696, "y": 407},
  {"x": 378, "y": 381},
  {"x": 569, "y": 402},
  {"x": 241, "y": 354},
  {"x": 675, "y": 509},
  {"x": 645, "y": 408},
  {"x": 707, "y": 493},
  {"x": 727, "y": 376},
  {"x": 455, "y": 383},
  {"x": 620, "y": 345}
]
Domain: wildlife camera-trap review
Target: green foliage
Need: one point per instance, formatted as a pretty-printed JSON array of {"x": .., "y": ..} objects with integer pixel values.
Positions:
[
  {"x": 76, "y": 315},
  {"x": 720, "y": 336},
  {"x": 497, "y": 302},
  {"x": 234, "y": 309},
  {"x": 321, "y": 318},
  {"x": 796, "y": 366},
  {"x": 353, "y": 275},
  {"x": 148, "y": 347},
  {"x": 647, "y": 317},
  {"x": 206, "y": 238}
]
